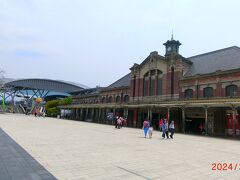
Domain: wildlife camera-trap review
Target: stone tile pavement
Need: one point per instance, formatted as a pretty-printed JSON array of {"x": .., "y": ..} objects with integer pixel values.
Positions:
[
  {"x": 17, "y": 164},
  {"x": 80, "y": 150}
]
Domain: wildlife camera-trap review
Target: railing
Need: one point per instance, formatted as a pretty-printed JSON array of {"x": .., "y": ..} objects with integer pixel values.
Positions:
[
  {"x": 162, "y": 98},
  {"x": 211, "y": 98},
  {"x": 148, "y": 99}
]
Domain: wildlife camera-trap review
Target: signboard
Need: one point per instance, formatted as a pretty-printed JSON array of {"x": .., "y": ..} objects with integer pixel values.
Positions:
[{"x": 110, "y": 116}]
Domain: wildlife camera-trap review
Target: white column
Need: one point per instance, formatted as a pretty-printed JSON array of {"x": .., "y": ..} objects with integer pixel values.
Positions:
[
  {"x": 183, "y": 120},
  {"x": 206, "y": 120}
]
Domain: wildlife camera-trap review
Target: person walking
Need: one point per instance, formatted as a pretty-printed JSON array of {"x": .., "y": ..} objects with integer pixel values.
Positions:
[
  {"x": 119, "y": 123},
  {"x": 150, "y": 131},
  {"x": 122, "y": 121},
  {"x": 145, "y": 127},
  {"x": 166, "y": 124},
  {"x": 116, "y": 125},
  {"x": 163, "y": 129},
  {"x": 171, "y": 129}
]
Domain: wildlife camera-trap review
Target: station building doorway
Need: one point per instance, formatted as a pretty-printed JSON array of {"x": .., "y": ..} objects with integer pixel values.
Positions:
[
  {"x": 195, "y": 121},
  {"x": 195, "y": 125}
]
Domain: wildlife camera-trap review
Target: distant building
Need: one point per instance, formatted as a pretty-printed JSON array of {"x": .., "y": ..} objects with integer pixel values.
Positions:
[
  {"x": 25, "y": 92},
  {"x": 200, "y": 93}
]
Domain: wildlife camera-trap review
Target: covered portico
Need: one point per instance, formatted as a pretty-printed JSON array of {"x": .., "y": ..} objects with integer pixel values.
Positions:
[{"x": 214, "y": 116}]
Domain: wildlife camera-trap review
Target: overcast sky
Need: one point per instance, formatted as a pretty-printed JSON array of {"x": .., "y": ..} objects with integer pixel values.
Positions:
[{"x": 96, "y": 42}]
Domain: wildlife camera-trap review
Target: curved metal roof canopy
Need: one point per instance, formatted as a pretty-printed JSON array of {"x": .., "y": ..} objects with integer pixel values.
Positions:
[{"x": 45, "y": 84}]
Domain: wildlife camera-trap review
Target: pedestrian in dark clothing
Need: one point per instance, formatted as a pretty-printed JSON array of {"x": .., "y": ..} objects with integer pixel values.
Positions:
[{"x": 116, "y": 118}]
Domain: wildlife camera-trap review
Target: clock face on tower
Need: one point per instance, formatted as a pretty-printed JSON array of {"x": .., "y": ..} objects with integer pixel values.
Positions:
[{"x": 169, "y": 48}]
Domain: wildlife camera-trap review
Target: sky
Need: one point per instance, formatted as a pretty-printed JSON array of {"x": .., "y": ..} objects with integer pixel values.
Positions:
[{"x": 95, "y": 42}]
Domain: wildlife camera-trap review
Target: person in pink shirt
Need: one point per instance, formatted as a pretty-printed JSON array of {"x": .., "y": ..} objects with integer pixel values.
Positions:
[{"x": 145, "y": 127}]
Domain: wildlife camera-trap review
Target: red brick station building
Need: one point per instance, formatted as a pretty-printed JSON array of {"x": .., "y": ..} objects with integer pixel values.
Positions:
[{"x": 202, "y": 90}]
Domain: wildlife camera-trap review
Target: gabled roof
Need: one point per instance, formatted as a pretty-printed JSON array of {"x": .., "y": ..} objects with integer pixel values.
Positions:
[
  {"x": 122, "y": 82},
  {"x": 152, "y": 54},
  {"x": 223, "y": 59},
  {"x": 88, "y": 92},
  {"x": 156, "y": 55}
]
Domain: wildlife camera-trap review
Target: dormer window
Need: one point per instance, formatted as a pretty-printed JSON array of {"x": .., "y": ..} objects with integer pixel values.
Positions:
[
  {"x": 231, "y": 90},
  {"x": 208, "y": 92},
  {"x": 188, "y": 94}
]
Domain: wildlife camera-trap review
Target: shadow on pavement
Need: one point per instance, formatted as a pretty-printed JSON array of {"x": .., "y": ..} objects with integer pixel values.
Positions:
[{"x": 16, "y": 163}]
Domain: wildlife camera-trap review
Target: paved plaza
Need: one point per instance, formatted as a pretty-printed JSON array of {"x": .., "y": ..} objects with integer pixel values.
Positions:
[{"x": 65, "y": 149}]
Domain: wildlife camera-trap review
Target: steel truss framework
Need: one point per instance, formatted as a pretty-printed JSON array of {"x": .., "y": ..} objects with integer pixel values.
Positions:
[{"x": 32, "y": 88}]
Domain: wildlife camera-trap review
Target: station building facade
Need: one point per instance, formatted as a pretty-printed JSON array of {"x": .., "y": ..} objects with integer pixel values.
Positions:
[{"x": 201, "y": 91}]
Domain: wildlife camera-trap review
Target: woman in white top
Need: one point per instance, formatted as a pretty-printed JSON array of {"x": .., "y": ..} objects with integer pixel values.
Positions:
[
  {"x": 150, "y": 131},
  {"x": 171, "y": 129}
]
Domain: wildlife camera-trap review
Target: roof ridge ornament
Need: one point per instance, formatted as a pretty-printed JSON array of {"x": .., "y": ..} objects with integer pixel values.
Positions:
[{"x": 172, "y": 36}]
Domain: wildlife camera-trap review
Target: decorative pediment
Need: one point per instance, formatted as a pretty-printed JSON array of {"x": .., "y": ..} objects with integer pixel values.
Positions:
[
  {"x": 152, "y": 63},
  {"x": 135, "y": 66}
]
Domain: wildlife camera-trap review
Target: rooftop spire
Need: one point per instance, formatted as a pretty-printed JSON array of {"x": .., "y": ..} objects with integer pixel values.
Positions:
[{"x": 172, "y": 35}]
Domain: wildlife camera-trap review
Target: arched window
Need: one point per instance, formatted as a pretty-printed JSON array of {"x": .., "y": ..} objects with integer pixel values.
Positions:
[
  {"x": 110, "y": 99},
  {"x": 152, "y": 83},
  {"x": 188, "y": 93},
  {"x": 231, "y": 90},
  {"x": 159, "y": 82},
  {"x": 126, "y": 98},
  {"x": 118, "y": 99},
  {"x": 208, "y": 92},
  {"x": 103, "y": 99},
  {"x": 145, "y": 84},
  {"x": 134, "y": 85}
]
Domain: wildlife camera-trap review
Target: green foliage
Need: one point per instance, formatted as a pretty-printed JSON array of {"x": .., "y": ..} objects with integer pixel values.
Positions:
[
  {"x": 52, "y": 108},
  {"x": 67, "y": 100},
  {"x": 52, "y": 103},
  {"x": 53, "y": 112}
]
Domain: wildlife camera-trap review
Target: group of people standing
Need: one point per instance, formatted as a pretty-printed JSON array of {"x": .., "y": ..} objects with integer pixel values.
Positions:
[
  {"x": 119, "y": 122},
  {"x": 163, "y": 126}
]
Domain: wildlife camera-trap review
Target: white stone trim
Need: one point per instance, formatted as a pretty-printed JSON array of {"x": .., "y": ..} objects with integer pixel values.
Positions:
[
  {"x": 189, "y": 87},
  {"x": 231, "y": 83},
  {"x": 214, "y": 86}
]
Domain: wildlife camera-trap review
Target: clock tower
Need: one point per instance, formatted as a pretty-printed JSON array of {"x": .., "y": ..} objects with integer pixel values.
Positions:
[{"x": 172, "y": 47}]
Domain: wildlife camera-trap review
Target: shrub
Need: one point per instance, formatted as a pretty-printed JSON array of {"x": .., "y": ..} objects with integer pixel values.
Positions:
[{"x": 52, "y": 108}]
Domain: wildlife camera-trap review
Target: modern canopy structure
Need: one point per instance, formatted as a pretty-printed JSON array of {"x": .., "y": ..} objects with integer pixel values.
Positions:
[{"x": 32, "y": 88}]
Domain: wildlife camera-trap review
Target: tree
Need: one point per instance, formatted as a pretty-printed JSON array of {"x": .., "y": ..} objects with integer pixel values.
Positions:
[
  {"x": 52, "y": 108},
  {"x": 1, "y": 88},
  {"x": 67, "y": 100}
]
